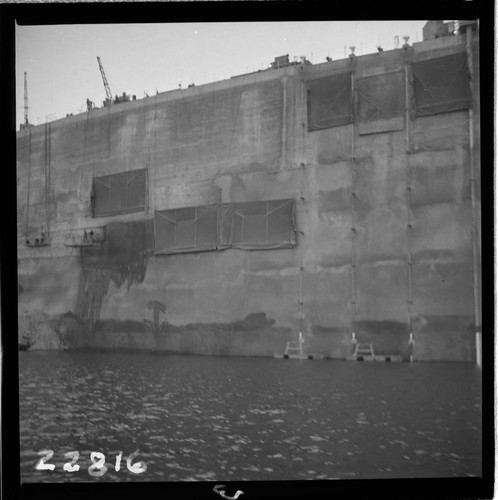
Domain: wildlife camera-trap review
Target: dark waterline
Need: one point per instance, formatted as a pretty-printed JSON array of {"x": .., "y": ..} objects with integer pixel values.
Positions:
[{"x": 226, "y": 418}]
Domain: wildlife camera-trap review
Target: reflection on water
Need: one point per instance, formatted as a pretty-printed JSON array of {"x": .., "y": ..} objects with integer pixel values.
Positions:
[{"x": 219, "y": 418}]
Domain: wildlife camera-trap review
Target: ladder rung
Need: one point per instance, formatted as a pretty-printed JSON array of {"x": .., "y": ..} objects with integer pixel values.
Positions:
[
  {"x": 364, "y": 349},
  {"x": 293, "y": 347}
]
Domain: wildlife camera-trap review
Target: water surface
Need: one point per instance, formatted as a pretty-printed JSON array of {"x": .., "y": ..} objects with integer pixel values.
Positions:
[{"x": 232, "y": 418}]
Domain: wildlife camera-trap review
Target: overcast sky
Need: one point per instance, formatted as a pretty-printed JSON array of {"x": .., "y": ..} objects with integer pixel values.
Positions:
[{"x": 62, "y": 69}]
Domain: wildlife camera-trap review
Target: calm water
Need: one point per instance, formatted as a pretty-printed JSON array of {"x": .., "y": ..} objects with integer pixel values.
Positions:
[{"x": 219, "y": 419}]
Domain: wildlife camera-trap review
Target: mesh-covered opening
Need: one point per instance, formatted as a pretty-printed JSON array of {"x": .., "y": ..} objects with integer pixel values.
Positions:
[
  {"x": 189, "y": 229},
  {"x": 381, "y": 96},
  {"x": 247, "y": 225},
  {"x": 329, "y": 101},
  {"x": 257, "y": 225},
  {"x": 119, "y": 193},
  {"x": 441, "y": 84}
]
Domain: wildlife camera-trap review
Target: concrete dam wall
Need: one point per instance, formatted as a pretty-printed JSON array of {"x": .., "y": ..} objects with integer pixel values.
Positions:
[{"x": 160, "y": 223}]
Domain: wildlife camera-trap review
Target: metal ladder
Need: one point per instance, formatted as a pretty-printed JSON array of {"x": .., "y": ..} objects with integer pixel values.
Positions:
[
  {"x": 363, "y": 350},
  {"x": 295, "y": 347}
]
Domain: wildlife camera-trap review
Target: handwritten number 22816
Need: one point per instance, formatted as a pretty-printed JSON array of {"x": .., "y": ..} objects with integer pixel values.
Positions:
[{"x": 96, "y": 469}]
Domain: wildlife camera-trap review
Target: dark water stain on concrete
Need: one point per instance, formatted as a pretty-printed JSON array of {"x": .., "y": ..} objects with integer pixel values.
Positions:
[
  {"x": 116, "y": 325},
  {"x": 448, "y": 336},
  {"x": 125, "y": 250},
  {"x": 436, "y": 337},
  {"x": 252, "y": 322},
  {"x": 93, "y": 286},
  {"x": 122, "y": 258},
  {"x": 256, "y": 335},
  {"x": 387, "y": 337},
  {"x": 328, "y": 330}
]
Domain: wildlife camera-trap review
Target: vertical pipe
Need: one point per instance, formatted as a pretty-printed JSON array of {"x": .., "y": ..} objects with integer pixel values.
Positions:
[
  {"x": 303, "y": 189},
  {"x": 46, "y": 170},
  {"x": 151, "y": 182},
  {"x": 408, "y": 203},
  {"x": 283, "y": 153},
  {"x": 49, "y": 183},
  {"x": 301, "y": 268},
  {"x": 109, "y": 131},
  {"x": 83, "y": 165},
  {"x": 266, "y": 222},
  {"x": 303, "y": 112},
  {"x": 475, "y": 235},
  {"x": 353, "y": 196},
  {"x": 29, "y": 181},
  {"x": 146, "y": 154}
]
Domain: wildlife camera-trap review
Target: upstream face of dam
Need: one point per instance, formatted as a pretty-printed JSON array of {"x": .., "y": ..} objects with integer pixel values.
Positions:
[{"x": 340, "y": 200}]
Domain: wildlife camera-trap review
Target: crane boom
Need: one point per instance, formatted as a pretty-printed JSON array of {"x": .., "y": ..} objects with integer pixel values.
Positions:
[
  {"x": 106, "y": 83},
  {"x": 26, "y": 120}
]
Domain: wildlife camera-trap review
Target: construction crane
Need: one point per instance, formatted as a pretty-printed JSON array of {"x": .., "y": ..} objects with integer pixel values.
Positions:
[
  {"x": 26, "y": 119},
  {"x": 108, "y": 100}
]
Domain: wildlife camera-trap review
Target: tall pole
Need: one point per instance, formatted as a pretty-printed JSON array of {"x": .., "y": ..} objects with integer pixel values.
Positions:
[
  {"x": 411, "y": 338},
  {"x": 353, "y": 198},
  {"x": 475, "y": 233},
  {"x": 26, "y": 120}
]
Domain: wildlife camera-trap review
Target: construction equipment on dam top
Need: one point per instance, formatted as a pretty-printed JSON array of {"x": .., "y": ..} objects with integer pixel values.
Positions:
[
  {"x": 26, "y": 123},
  {"x": 108, "y": 99},
  {"x": 383, "y": 266}
]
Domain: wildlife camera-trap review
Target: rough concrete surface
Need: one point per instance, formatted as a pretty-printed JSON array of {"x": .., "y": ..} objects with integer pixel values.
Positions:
[{"x": 365, "y": 206}]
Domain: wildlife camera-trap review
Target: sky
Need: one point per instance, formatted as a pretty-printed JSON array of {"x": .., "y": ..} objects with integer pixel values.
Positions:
[{"x": 62, "y": 68}]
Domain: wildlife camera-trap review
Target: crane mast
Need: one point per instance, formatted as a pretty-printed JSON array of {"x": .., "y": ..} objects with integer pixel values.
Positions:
[
  {"x": 26, "y": 120},
  {"x": 108, "y": 93}
]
